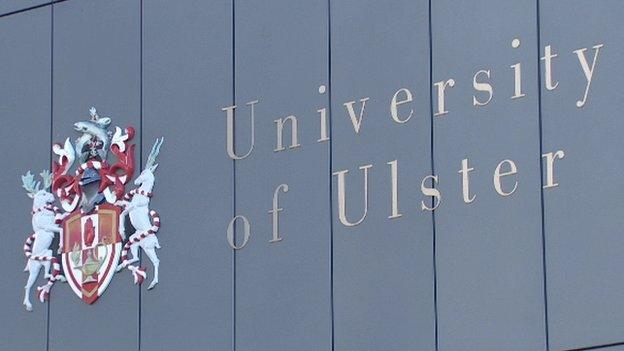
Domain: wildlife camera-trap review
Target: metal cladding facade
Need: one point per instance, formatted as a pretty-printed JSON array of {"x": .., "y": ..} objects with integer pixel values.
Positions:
[{"x": 534, "y": 262}]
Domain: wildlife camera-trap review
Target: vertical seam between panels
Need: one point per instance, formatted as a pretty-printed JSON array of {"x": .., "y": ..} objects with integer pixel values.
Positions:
[
  {"x": 234, "y": 175},
  {"x": 433, "y": 217},
  {"x": 51, "y": 141},
  {"x": 539, "y": 104},
  {"x": 140, "y": 151},
  {"x": 331, "y": 155}
]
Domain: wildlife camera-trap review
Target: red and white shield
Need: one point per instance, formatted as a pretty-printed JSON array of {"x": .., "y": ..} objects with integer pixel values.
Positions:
[{"x": 91, "y": 250}]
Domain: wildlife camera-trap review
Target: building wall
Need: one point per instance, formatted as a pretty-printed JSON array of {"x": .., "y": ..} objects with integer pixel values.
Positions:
[{"x": 537, "y": 270}]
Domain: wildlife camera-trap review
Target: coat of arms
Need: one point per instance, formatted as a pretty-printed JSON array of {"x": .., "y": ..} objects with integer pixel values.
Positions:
[{"x": 91, "y": 220}]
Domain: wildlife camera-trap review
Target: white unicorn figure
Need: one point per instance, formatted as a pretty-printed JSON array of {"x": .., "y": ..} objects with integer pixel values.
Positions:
[
  {"x": 37, "y": 247},
  {"x": 136, "y": 205}
]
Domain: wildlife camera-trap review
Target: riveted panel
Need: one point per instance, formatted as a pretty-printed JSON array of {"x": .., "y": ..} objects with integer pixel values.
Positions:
[
  {"x": 283, "y": 279},
  {"x": 489, "y": 239},
  {"x": 582, "y": 215},
  {"x": 383, "y": 267},
  {"x": 25, "y": 142},
  {"x": 96, "y": 63},
  {"x": 187, "y": 78}
]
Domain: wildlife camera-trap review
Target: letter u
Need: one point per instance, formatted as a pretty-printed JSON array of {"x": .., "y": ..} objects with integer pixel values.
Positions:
[
  {"x": 342, "y": 207},
  {"x": 230, "y": 131}
]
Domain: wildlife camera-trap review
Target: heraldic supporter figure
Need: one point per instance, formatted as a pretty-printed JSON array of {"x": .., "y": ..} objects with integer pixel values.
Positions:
[{"x": 91, "y": 221}]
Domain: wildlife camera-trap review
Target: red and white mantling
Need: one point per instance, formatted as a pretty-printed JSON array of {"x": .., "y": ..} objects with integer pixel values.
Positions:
[{"x": 91, "y": 220}]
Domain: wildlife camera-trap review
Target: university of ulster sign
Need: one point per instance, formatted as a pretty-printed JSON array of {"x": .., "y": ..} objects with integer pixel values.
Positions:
[{"x": 91, "y": 221}]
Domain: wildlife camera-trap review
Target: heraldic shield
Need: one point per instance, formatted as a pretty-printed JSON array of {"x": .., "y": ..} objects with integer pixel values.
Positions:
[
  {"x": 91, "y": 249},
  {"x": 92, "y": 218}
]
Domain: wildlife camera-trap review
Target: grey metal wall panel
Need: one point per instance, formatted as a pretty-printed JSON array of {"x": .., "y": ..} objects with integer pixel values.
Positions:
[
  {"x": 25, "y": 143},
  {"x": 96, "y": 62},
  {"x": 583, "y": 215},
  {"x": 187, "y": 74},
  {"x": 282, "y": 289},
  {"x": 488, "y": 252},
  {"x": 380, "y": 278},
  {"x": 383, "y": 268},
  {"x": 8, "y": 6}
]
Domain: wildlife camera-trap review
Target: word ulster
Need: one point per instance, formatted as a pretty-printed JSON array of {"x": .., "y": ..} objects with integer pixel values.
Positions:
[{"x": 91, "y": 221}]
